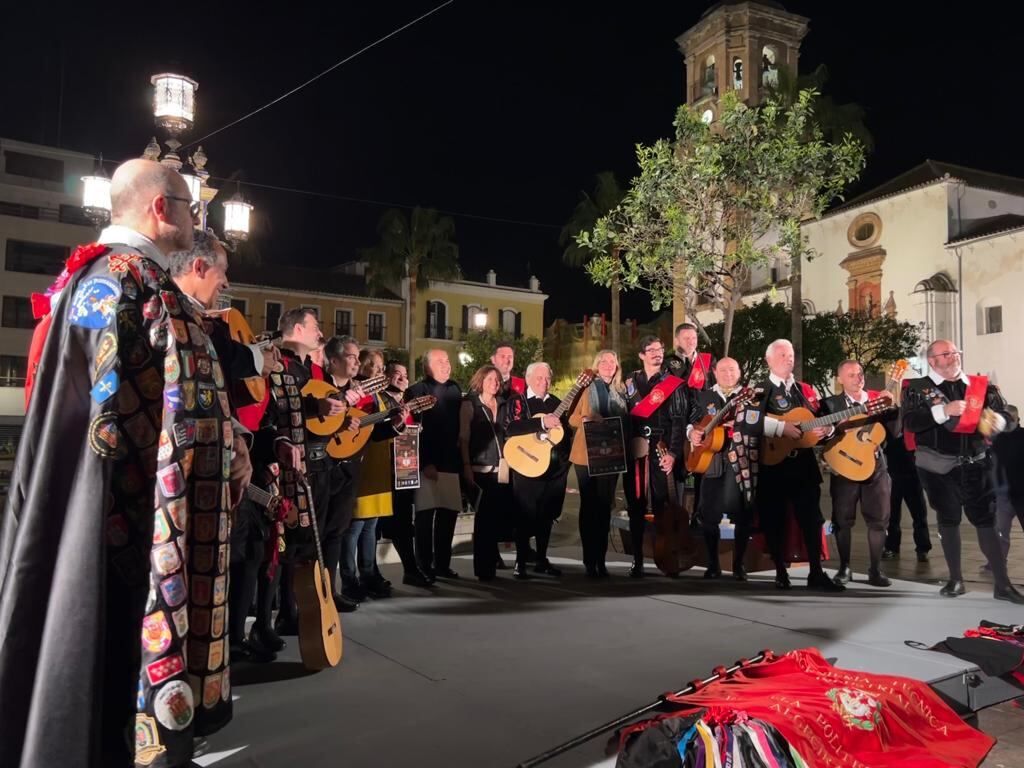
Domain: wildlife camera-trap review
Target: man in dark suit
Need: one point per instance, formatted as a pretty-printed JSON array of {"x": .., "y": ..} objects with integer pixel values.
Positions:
[
  {"x": 955, "y": 465},
  {"x": 796, "y": 480}
]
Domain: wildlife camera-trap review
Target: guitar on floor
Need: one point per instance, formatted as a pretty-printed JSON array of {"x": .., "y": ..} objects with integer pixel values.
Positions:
[
  {"x": 852, "y": 452},
  {"x": 530, "y": 454},
  {"x": 319, "y": 624},
  {"x": 698, "y": 459},
  {"x": 325, "y": 426},
  {"x": 346, "y": 443},
  {"x": 674, "y": 543}
]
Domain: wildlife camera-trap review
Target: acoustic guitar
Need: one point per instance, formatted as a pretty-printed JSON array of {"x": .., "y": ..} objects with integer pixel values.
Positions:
[
  {"x": 345, "y": 444},
  {"x": 776, "y": 449},
  {"x": 852, "y": 452},
  {"x": 530, "y": 454},
  {"x": 239, "y": 330},
  {"x": 699, "y": 458},
  {"x": 319, "y": 624},
  {"x": 325, "y": 426},
  {"x": 674, "y": 546}
]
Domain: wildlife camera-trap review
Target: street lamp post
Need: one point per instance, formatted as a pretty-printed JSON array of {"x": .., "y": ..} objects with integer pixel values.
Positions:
[
  {"x": 480, "y": 319},
  {"x": 174, "y": 110}
]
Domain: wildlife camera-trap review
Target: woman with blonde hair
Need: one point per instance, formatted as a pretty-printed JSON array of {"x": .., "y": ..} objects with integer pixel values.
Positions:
[{"x": 605, "y": 398}]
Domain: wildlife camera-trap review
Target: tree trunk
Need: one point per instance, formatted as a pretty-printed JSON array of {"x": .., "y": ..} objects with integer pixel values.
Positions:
[
  {"x": 678, "y": 293},
  {"x": 615, "y": 291},
  {"x": 796, "y": 308},
  {"x": 729, "y": 314},
  {"x": 412, "y": 324}
]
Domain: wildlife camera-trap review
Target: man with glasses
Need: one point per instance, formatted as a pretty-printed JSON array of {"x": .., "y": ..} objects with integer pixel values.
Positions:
[
  {"x": 659, "y": 408},
  {"x": 955, "y": 465}
]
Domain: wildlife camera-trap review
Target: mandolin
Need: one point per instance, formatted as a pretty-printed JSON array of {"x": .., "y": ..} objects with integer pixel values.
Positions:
[
  {"x": 346, "y": 443},
  {"x": 674, "y": 546},
  {"x": 777, "y": 449},
  {"x": 530, "y": 454},
  {"x": 852, "y": 452},
  {"x": 699, "y": 458},
  {"x": 319, "y": 625},
  {"x": 326, "y": 426}
]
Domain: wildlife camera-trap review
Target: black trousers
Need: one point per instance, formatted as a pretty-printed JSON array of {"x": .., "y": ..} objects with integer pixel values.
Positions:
[
  {"x": 247, "y": 553},
  {"x": 538, "y": 502},
  {"x": 399, "y": 528},
  {"x": 966, "y": 490},
  {"x": 906, "y": 488},
  {"x": 795, "y": 481},
  {"x": 435, "y": 529},
  {"x": 721, "y": 497},
  {"x": 597, "y": 495},
  {"x": 495, "y": 498},
  {"x": 872, "y": 495},
  {"x": 638, "y": 487}
]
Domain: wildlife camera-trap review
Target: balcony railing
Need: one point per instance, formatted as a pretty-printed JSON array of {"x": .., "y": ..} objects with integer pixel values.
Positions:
[{"x": 433, "y": 331}]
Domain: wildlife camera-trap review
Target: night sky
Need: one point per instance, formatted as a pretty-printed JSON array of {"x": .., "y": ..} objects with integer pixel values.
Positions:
[{"x": 504, "y": 111}]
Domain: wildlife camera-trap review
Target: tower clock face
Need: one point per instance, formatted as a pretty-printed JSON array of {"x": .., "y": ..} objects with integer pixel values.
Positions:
[{"x": 708, "y": 116}]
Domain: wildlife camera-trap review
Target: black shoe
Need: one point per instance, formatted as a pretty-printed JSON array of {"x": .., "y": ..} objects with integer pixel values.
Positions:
[
  {"x": 354, "y": 592},
  {"x": 531, "y": 555},
  {"x": 592, "y": 572},
  {"x": 545, "y": 567},
  {"x": 200, "y": 746},
  {"x": 922, "y": 557},
  {"x": 878, "y": 579},
  {"x": 602, "y": 571},
  {"x": 713, "y": 573},
  {"x": 520, "y": 571},
  {"x": 1010, "y": 594},
  {"x": 286, "y": 625},
  {"x": 819, "y": 580},
  {"x": 267, "y": 638},
  {"x": 782, "y": 580},
  {"x": 378, "y": 590},
  {"x": 345, "y": 604},
  {"x": 843, "y": 576},
  {"x": 447, "y": 573},
  {"x": 889, "y": 554},
  {"x": 636, "y": 571},
  {"x": 246, "y": 651},
  {"x": 500, "y": 564},
  {"x": 952, "y": 588},
  {"x": 417, "y": 579},
  {"x": 739, "y": 573}
]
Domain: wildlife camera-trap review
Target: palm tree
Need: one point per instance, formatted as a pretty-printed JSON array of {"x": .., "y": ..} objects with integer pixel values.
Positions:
[
  {"x": 607, "y": 194},
  {"x": 835, "y": 121},
  {"x": 420, "y": 247}
]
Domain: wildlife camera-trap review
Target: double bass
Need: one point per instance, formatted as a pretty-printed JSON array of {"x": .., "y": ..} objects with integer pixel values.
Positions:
[{"x": 674, "y": 544}]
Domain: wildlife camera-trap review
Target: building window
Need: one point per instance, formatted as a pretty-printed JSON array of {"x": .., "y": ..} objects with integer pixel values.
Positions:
[
  {"x": 242, "y": 305},
  {"x": 35, "y": 258},
  {"x": 990, "y": 316},
  {"x": 769, "y": 67},
  {"x": 708, "y": 87},
  {"x": 342, "y": 322},
  {"x": 17, "y": 312},
  {"x": 35, "y": 167},
  {"x": 273, "y": 315},
  {"x": 737, "y": 74},
  {"x": 865, "y": 230},
  {"x": 437, "y": 317},
  {"x": 375, "y": 326},
  {"x": 469, "y": 312},
  {"x": 512, "y": 322},
  {"x": 13, "y": 370}
]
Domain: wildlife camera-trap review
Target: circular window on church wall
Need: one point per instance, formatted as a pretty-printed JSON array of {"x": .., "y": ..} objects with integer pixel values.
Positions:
[{"x": 865, "y": 231}]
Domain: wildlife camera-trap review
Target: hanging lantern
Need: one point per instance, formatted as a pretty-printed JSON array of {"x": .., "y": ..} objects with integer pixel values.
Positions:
[
  {"x": 480, "y": 319},
  {"x": 195, "y": 186},
  {"x": 174, "y": 102},
  {"x": 236, "y": 218},
  {"x": 96, "y": 196}
]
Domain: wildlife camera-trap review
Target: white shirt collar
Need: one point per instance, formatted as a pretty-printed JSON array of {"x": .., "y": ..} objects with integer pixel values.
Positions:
[
  {"x": 531, "y": 393},
  {"x": 863, "y": 396},
  {"x": 116, "y": 234},
  {"x": 780, "y": 383},
  {"x": 938, "y": 379},
  {"x": 720, "y": 391}
]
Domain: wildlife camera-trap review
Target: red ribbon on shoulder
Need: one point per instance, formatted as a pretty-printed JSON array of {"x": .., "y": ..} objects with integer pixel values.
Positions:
[
  {"x": 518, "y": 385},
  {"x": 974, "y": 398},
  {"x": 658, "y": 395},
  {"x": 810, "y": 395},
  {"x": 700, "y": 370}
]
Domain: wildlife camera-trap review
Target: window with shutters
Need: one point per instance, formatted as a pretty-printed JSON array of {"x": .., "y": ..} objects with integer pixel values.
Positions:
[
  {"x": 375, "y": 326},
  {"x": 17, "y": 312},
  {"x": 13, "y": 370},
  {"x": 273, "y": 316}
]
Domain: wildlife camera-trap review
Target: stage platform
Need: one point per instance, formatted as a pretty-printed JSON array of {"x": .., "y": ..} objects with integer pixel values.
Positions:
[{"x": 490, "y": 675}]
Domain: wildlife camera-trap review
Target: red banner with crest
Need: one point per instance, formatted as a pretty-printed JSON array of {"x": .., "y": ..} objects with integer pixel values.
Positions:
[
  {"x": 658, "y": 395},
  {"x": 974, "y": 398}
]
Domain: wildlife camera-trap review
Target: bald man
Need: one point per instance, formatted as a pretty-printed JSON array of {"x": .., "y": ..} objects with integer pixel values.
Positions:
[
  {"x": 113, "y": 546},
  {"x": 720, "y": 494},
  {"x": 956, "y": 467}
]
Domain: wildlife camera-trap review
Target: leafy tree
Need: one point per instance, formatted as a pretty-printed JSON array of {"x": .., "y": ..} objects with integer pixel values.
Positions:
[
  {"x": 718, "y": 201},
  {"x": 480, "y": 345},
  {"x": 591, "y": 207},
  {"x": 420, "y": 246}
]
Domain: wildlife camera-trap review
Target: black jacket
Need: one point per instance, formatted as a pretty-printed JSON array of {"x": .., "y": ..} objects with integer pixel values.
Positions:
[
  {"x": 668, "y": 422},
  {"x": 682, "y": 367},
  {"x": 922, "y": 394},
  {"x": 439, "y": 440}
]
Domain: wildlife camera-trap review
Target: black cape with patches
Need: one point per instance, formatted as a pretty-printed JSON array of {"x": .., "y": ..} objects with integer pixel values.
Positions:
[{"x": 113, "y": 543}]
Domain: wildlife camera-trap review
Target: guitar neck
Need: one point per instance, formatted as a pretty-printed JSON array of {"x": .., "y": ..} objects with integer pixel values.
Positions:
[
  {"x": 832, "y": 418},
  {"x": 260, "y": 496},
  {"x": 567, "y": 401},
  {"x": 724, "y": 411}
]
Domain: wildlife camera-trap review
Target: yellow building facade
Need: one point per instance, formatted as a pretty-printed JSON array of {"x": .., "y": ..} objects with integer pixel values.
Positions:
[
  {"x": 342, "y": 302},
  {"x": 447, "y": 310}
]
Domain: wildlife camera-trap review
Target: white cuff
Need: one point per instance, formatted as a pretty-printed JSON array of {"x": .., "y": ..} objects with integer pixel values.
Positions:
[
  {"x": 939, "y": 413},
  {"x": 1000, "y": 422},
  {"x": 689, "y": 429},
  {"x": 773, "y": 427},
  {"x": 257, "y": 357}
]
